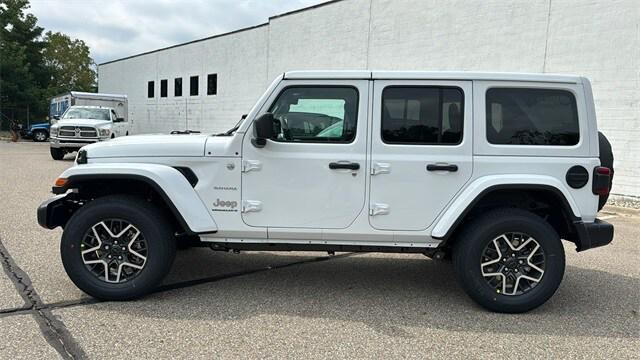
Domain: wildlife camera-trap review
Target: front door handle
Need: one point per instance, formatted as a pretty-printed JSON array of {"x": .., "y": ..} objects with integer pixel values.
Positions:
[
  {"x": 344, "y": 165},
  {"x": 442, "y": 167}
]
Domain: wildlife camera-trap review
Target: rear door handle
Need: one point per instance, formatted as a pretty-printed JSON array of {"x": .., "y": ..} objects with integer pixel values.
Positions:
[
  {"x": 442, "y": 167},
  {"x": 344, "y": 165}
]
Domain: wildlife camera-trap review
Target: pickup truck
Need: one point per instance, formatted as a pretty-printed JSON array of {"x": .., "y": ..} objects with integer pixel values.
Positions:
[{"x": 83, "y": 125}]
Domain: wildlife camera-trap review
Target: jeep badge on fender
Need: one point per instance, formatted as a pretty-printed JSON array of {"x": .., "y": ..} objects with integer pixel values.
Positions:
[{"x": 355, "y": 161}]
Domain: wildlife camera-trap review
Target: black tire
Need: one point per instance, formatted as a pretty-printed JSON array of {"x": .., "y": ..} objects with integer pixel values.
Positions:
[
  {"x": 476, "y": 236},
  {"x": 57, "y": 154},
  {"x": 161, "y": 246},
  {"x": 40, "y": 136}
]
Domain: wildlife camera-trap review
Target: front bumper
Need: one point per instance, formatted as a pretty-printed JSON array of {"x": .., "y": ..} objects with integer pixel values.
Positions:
[
  {"x": 76, "y": 143},
  {"x": 26, "y": 134},
  {"x": 591, "y": 235},
  {"x": 54, "y": 212}
]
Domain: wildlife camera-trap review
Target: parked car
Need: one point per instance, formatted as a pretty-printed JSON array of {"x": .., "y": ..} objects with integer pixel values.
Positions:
[
  {"x": 82, "y": 125},
  {"x": 491, "y": 169},
  {"x": 37, "y": 132}
]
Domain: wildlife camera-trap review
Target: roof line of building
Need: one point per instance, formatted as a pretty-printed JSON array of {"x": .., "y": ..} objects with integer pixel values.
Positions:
[
  {"x": 224, "y": 34},
  {"x": 311, "y": 7},
  {"x": 185, "y": 43}
]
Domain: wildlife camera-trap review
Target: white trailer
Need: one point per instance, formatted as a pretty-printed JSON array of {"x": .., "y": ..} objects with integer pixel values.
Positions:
[{"x": 60, "y": 103}]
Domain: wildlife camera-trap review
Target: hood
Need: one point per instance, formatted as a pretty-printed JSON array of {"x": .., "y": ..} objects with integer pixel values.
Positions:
[
  {"x": 148, "y": 145},
  {"x": 82, "y": 122},
  {"x": 39, "y": 126}
]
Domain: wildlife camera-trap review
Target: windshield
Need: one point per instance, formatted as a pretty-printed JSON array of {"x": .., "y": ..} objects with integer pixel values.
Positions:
[{"x": 87, "y": 113}]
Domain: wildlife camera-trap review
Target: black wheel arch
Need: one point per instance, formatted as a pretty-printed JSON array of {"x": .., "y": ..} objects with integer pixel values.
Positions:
[{"x": 544, "y": 200}]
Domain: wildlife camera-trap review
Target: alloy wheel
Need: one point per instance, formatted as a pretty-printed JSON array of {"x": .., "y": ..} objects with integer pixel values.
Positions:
[
  {"x": 114, "y": 250},
  {"x": 513, "y": 263}
]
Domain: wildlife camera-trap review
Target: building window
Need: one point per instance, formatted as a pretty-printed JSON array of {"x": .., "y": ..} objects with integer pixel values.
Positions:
[
  {"x": 425, "y": 115},
  {"x": 163, "y": 88},
  {"x": 325, "y": 114},
  {"x": 212, "y": 84},
  {"x": 193, "y": 86},
  {"x": 521, "y": 116},
  {"x": 150, "y": 88},
  {"x": 177, "y": 87}
]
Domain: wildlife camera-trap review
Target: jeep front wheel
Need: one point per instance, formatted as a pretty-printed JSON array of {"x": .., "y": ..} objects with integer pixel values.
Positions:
[
  {"x": 117, "y": 248},
  {"x": 509, "y": 260}
]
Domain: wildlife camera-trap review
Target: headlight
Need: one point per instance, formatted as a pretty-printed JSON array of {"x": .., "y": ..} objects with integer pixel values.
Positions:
[
  {"x": 105, "y": 132},
  {"x": 53, "y": 131}
]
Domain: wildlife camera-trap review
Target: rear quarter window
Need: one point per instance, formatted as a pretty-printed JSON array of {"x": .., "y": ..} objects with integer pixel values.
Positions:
[{"x": 521, "y": 116}]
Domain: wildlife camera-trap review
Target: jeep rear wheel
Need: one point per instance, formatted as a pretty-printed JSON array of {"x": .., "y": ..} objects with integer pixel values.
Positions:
[
  {"x": 117, "y": 248},
  {"x": 509, "y": 260}
]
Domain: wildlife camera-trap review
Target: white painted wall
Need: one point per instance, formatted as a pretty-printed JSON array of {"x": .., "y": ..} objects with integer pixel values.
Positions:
[
  {"x": 599, "y": 39},
  {"x": 239, "y": 59}
]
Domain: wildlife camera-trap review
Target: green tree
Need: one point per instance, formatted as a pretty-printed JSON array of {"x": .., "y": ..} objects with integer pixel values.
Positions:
[
  {"x": 24, "y": 77},
  {"x": 70, "y": 64}
]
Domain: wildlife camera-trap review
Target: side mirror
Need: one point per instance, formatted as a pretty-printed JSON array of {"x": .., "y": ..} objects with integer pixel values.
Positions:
[
  {"x": 56, "y": 117},
  {"x": 119, "y": 120},
  {"x": 262, "y": 130}
]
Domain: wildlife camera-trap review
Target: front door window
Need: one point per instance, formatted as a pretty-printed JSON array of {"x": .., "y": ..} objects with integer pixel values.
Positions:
[{"x": 316, "y": 114}]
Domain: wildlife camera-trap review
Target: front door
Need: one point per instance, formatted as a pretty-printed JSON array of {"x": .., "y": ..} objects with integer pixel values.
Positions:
[
  {"x": 421, "y": 150},
  {"x": 312, "y": 173}
]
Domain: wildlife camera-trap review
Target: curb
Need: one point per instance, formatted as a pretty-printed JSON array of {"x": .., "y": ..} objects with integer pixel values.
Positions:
[{"x": 610, "y": 209}]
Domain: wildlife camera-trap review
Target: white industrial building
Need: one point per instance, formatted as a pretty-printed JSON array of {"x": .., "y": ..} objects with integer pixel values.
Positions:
[{"x": 599, "y": 39}]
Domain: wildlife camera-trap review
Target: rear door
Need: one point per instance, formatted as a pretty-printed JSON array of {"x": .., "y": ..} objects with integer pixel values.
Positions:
[{"x": 421, "y": 152}]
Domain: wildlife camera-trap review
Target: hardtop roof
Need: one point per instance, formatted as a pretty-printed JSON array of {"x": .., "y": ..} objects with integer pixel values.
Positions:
[{"x": 431, "y": 75}]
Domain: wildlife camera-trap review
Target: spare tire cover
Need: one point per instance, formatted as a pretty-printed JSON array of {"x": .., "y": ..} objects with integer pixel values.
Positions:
[{"x": 606, "y": 159}]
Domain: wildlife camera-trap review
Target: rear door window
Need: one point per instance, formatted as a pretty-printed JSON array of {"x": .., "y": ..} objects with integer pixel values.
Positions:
[
  {"x": 422, "y": 115},
  {"x": 521, "y": 116}
]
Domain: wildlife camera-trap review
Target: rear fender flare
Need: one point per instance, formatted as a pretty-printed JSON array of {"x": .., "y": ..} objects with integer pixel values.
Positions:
[{"x": 457, "y": 210}]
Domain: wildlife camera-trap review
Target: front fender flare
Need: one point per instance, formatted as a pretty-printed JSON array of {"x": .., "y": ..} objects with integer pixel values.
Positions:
[
  {"x": 167, "y": 181},
  {"x": 478, "y": 188}
]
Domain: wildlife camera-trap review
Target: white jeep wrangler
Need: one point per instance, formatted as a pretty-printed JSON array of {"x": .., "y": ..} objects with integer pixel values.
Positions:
[
  {"x": 82, "y": 125},
  {"x": 492, "y": 169}
]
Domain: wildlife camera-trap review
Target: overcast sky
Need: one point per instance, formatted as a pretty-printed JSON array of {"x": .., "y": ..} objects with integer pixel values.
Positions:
[{"x": 119, "y": 28}]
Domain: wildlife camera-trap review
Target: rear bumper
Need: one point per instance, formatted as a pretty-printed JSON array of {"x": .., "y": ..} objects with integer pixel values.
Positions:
[{"x": 592, "y": 235}]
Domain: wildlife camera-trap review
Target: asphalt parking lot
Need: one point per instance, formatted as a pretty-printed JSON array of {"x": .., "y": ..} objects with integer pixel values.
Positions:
[{"x": 296, "y": 305}]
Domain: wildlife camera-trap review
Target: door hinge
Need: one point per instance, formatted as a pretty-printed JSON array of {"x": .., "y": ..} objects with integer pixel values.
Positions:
[
  {"x": 248, "y": 165},
  {"x": 379, "y": 209},
  {"x": 251, "y": 206},
  {"x": 380, "y": 168}
]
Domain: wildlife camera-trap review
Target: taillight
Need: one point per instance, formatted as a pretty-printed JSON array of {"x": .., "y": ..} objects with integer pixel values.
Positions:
[{"x": 601, "y": 180}]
